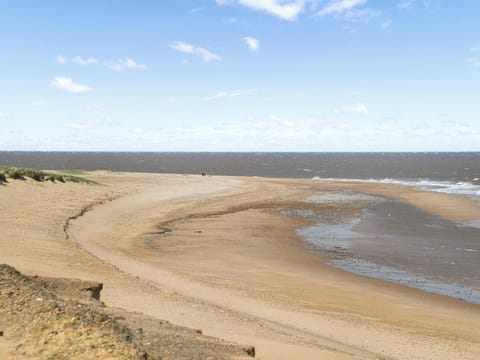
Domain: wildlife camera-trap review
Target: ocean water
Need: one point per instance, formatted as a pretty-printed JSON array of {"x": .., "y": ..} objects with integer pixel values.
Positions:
[
  {"x": 444, "y": 167},
  {"x": 447, "y": 172},
  {"x": 450, "y": 172}
]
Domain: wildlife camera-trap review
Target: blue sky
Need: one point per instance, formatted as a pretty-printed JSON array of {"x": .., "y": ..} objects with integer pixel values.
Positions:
[{"x": 240, "y": 75}]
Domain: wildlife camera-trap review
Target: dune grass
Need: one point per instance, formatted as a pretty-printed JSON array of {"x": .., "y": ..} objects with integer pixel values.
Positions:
[{"x": 14, "y": 173}]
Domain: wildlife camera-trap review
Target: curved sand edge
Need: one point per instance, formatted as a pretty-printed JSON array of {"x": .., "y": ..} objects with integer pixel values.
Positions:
[{"x": 236, "y": 289}]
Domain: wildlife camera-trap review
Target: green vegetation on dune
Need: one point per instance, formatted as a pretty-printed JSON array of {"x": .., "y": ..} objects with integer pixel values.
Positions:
[{"x": 14, "y": 173}]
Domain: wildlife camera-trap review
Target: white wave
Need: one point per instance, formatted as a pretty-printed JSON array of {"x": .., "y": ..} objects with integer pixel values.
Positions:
[{"x": 460, "y": 188}]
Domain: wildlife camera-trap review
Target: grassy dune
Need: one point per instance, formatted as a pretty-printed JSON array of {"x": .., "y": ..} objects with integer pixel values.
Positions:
[{"x": 15, "y": 173}]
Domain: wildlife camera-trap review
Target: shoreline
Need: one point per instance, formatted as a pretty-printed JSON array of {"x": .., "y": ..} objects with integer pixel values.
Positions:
[{"x": 188, "y": 268}]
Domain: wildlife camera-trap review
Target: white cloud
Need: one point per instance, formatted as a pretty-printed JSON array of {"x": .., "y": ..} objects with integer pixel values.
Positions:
[
  {"x": 84, "y": 61},
  {"x": 3, "y": 115},
  {"x": 357, "y": 109},
  {"x": 60, "y": 59},
  {"x": 93, "y": 107},
  {"x": 340, "y": 6},
  {"x": 183, "y": 47},
  {"x": 360, "y": 109},
  {"x": 216, "y": 96},
  {"x": 347, "y": 10},
  {"x": 226, "y": 94},
  {"x": 353, "y": 11},
  {"x": 117, "y": 65},
  {"x": 409, "y": 4},
  {"x": 285, "y": 123},
  {"x": 204, "y": 54},
  {"x": 126, "y": 64},
  {"x": 77, "y": 126},
  {"x": 252, "y": 43},
  {"x": 284, "y": 9},
  {"x": 67, "y": 84}
]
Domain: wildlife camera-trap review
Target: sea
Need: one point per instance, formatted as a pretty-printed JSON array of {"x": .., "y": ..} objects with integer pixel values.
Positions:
[{"x": 391, "y": 240}]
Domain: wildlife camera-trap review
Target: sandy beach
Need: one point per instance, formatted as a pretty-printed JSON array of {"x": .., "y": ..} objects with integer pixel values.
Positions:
[{"x": 219, "y": 254}]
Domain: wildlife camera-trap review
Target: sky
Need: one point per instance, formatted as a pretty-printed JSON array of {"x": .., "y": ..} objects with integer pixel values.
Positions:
[{"x": 240, "y": 75}]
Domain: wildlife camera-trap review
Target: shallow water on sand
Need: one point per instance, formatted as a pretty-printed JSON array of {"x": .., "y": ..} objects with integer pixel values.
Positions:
[{"x": 397, "y": 242}]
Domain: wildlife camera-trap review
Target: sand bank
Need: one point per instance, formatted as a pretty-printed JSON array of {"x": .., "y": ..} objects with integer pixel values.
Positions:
[{"x": 232, "y": 264}]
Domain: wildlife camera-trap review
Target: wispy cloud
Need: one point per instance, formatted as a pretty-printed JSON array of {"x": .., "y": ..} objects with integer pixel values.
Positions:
[
  {"x": 353, "y": 11},
  {"x": 405, "y": 4},
  {"x": 361, "y": 15},
  {"x": 252, "y": 43},
  {"x": 3, "y": 115},
  {"x": 410, "y": 4},
  {"x": 336, "y": 7},
  {"x": 204, "y": 54},
  {"x": 126, "y": 64},
  {"x": 116, "y": 65},
  {"x": 283, "y": 9},
  {"x": 197, "y": 10},
  {"x": 227, "y": 94},
  {"x": 84, "y": 61},
  {"x": 282, "y": 122},
  {"x": 359, "y": 108},
  {"x": 77, "y": 125},
  {"x": 67, "y": 84}
]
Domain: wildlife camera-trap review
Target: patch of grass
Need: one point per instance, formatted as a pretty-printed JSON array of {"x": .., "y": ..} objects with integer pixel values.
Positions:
[{"x": 40, "y": 175}]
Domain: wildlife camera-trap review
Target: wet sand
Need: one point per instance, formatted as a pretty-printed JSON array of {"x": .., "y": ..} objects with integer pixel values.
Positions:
[
  {"x": 233, "y": 264},
  {"x": 398, "y": 242},
  {"x": 421, "y": 241}
]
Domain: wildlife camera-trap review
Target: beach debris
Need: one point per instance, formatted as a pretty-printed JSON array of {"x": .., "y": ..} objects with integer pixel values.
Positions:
[{"x": 250, "y": 351}]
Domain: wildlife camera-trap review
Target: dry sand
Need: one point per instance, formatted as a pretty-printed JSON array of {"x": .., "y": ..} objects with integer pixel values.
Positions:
[{"x": 235, "y": 268}]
